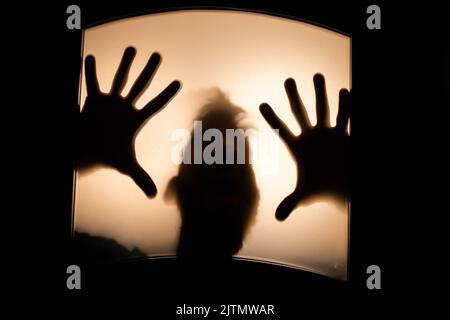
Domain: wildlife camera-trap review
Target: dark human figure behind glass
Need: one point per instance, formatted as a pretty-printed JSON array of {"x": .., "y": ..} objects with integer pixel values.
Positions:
[{"x": 216, "y": 201}]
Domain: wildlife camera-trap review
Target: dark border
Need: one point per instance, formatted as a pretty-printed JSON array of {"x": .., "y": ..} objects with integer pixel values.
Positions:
[{"x": 211, "y": 8}]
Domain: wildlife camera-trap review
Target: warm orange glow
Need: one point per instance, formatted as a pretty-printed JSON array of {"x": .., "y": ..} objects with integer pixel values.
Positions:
[{"x": 248, "y": 56}]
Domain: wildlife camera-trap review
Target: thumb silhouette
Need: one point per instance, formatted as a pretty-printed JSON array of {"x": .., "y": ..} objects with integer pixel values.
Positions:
[
  {"x": 141, "y": 178},
  {"x": 288, "y": 205}
]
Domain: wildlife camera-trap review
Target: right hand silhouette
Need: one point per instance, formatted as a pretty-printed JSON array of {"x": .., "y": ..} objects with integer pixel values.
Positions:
[
  {"x": 109, "y": 122},
  {"x": 320, "y": 152}
]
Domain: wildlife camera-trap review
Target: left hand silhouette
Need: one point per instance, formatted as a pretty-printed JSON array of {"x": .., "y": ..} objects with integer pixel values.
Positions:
[
  {"x": 320, "y": 152},
  {"x": 109, "y": 122}
]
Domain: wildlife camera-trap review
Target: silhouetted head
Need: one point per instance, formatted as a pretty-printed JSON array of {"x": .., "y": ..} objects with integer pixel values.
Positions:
[{"x": 217, "y": 201}]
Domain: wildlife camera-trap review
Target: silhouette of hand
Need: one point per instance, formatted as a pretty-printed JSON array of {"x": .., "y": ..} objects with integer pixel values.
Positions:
[
  {"x": 109, "y": 122},
  {"x": 320, "y": 152}
]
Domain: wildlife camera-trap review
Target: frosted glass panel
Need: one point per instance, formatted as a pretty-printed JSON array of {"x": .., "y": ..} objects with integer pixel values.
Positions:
[{"x": 248, "y": 56}]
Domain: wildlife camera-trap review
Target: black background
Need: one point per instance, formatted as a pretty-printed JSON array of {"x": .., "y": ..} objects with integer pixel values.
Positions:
[{"x": 400, "y": 79}]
